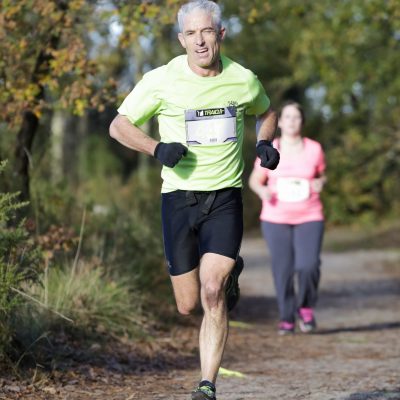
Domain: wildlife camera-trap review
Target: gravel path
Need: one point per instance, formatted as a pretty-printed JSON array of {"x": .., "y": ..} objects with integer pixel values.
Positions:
[{"x": 355, "y": 355}]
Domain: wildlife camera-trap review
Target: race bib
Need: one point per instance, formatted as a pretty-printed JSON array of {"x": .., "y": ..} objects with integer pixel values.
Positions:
[
  {"x": 210, "y": 126},
  {"x": 292, "y": 189}
]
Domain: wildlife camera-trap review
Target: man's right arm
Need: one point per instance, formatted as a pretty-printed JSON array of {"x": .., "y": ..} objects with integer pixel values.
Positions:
[
  {"x": 128, "y": 134},
  {"x": 122, "y": 130}
]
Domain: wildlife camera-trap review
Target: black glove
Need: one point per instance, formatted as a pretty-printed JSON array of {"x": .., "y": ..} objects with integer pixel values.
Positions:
[
  {"x": 268, "y": 154},
  {"x": 169, "y": 154}
]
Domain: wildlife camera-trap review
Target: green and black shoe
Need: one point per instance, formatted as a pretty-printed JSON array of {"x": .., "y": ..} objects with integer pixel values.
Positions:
[
  {"x": 205, "y": 391},
  {"x": 232, "y": 289}
]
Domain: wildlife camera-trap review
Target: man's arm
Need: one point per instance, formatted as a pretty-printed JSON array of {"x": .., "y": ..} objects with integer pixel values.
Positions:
[
  {"x": 266, "y": 128},
  {"x": 266, "y": 125},
  {"x": 169, "y": 154},
  {"x": 122, "y": 130}
]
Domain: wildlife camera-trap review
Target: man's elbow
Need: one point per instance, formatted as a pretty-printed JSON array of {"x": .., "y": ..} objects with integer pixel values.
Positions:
[{"x": 113, "y": 129}]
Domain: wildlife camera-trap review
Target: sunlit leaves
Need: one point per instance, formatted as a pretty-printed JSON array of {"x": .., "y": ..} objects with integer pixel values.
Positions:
[
  {"x": 45, "y": 59},
  {"x": 145, "y": 18},
  {"x": 42, "y": 52}
]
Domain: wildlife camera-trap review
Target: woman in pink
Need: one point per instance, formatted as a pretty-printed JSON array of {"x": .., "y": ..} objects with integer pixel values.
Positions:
[{"x": 292, "y": 218}]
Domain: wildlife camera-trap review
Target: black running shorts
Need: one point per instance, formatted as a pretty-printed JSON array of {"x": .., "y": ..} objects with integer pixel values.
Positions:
[{"x": 195, "y": 223}]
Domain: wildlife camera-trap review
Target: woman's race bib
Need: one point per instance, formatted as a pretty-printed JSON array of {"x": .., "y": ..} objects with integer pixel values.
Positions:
[
  {"x": 210, "y": 126},
  {"x": 293, "y": 189}
]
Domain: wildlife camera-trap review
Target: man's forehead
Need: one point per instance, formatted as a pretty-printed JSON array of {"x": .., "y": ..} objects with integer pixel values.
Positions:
[{"x": 197, "y": 19}]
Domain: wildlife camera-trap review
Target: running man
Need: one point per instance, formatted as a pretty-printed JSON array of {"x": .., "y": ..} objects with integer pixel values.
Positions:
[{"x": 200, "y": 99}]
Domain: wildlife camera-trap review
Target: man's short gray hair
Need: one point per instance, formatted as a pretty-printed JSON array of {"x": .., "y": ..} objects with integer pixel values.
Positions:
[{"x": 205, "y": 5}]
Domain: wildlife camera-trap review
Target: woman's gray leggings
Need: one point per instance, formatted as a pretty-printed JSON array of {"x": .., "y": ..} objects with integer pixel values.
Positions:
[{"x": 295, "y": 248}]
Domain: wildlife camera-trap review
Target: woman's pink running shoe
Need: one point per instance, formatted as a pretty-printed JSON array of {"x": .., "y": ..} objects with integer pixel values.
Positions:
[
  {"x": 307, "y": 321},
  {"x": 285, "y": 328}
]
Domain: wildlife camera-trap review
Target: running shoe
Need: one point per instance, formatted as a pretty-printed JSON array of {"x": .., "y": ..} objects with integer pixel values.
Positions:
[
  {"x": 232, "y": 289},
  {"x": 285, "y": 328},
  {"x": 307, "y": 322},
  {"x": 205, "y": 391}
]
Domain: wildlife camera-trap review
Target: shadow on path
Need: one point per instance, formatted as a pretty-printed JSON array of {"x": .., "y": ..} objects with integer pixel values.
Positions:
[
  {"x": 112, "y": 356},
  {"x": 376, "y": 395},
  {"x": 365, "y": 328},
  {"x": 378, "y": 287},
  {"x": 256, "y": 309}
]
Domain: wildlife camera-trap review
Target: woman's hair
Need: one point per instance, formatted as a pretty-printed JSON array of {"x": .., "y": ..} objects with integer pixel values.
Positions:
[
  {"x": 295, "y": 105},
  {"x": 205, "y": 5}
]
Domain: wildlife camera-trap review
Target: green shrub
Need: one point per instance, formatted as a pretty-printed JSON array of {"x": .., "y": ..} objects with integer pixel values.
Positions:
[
  {"x": 120, "y": 274},
  {"x": 19, "y": 263}
]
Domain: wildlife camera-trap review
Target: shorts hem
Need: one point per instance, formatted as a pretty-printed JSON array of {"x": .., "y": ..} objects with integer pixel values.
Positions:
[
  {"x": 171, "y": 273},
  {"x": 233, "y": 257}
]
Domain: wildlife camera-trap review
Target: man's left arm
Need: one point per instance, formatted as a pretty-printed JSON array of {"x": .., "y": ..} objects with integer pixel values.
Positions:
[
  {"x": 266, "y": 125},
  {"x": 265, "y": 128}
]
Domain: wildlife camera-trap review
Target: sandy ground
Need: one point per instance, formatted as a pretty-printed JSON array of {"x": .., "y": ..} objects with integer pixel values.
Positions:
[{"x": 355, "y": 355}]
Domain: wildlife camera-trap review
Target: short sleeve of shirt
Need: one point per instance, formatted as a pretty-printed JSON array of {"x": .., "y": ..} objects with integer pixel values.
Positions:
[
  {"x": 144, "y": 101},
  {"x": 260, "y": 101}
]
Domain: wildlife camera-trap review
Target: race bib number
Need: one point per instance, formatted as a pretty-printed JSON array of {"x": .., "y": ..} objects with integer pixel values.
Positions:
[
  {"x": 210, "y": 126},
  {"x": 293, "y": 189}
]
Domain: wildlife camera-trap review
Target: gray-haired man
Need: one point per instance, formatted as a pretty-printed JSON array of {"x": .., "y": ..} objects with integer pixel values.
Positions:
[{"x": 200, "y": 100}]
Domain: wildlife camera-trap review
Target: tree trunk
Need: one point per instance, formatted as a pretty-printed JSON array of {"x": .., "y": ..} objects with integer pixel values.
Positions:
[
  {"x": 57, "y": 133},
  {"x": 23, "y": 151},
  {"x": 30, "y": 121}
]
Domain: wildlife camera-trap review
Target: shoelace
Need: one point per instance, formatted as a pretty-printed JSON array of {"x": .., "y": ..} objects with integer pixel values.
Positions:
[{"x": 207, "y": 390}]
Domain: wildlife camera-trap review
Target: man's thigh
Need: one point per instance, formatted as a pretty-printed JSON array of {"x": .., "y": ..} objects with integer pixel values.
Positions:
[
  {"x": 221, "y": 231},
  {"x": 215, "y": 269},
  {"x": 186, "y": 290},
  {"x": 180, "y": 240}
]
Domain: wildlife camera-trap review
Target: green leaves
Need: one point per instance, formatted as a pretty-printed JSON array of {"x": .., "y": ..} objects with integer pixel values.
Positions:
[{"x": 341, "y": 60}]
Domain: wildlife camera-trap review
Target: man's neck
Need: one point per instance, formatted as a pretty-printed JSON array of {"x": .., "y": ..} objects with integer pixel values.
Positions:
[{"x": 212, "y": 70}]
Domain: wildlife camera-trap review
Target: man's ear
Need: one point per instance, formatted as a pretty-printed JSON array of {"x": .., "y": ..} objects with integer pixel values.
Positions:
[
  {"x": 222, "y": 33},
  {"x": 182, "y": 39}
]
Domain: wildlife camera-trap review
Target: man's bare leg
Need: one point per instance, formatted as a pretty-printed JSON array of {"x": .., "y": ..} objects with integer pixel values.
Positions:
[
  {"x": 187, "y": 291},
  {"x": 214, "y": 272}
]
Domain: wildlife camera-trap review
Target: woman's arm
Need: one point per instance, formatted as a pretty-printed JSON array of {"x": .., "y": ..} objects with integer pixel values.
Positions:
[
  {"x": 317, "y": 184},
  {"x": 257, "y": 184}
]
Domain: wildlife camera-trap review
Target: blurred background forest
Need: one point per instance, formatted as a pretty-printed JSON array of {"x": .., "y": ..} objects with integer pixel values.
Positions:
[{"x": 80, "y": 238}]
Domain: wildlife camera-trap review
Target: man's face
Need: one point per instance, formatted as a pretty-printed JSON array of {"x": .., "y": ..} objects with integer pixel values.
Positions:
[{"x": 201, "y": 39}]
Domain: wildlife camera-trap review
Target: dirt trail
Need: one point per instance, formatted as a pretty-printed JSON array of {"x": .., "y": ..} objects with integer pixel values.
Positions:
[{"x": 354, "y": 356}]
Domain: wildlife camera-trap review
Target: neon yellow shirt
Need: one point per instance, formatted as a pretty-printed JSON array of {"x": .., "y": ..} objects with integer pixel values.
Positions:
[{"x": 176, "y": 95}]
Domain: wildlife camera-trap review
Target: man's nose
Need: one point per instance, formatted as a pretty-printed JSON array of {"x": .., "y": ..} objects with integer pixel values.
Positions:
[{"x": 199, "y": 39}]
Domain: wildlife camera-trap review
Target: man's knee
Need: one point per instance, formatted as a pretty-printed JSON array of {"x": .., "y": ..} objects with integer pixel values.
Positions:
[
  {"x": 213, "y": 293},
  {"x": 186, "y": 308}
]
